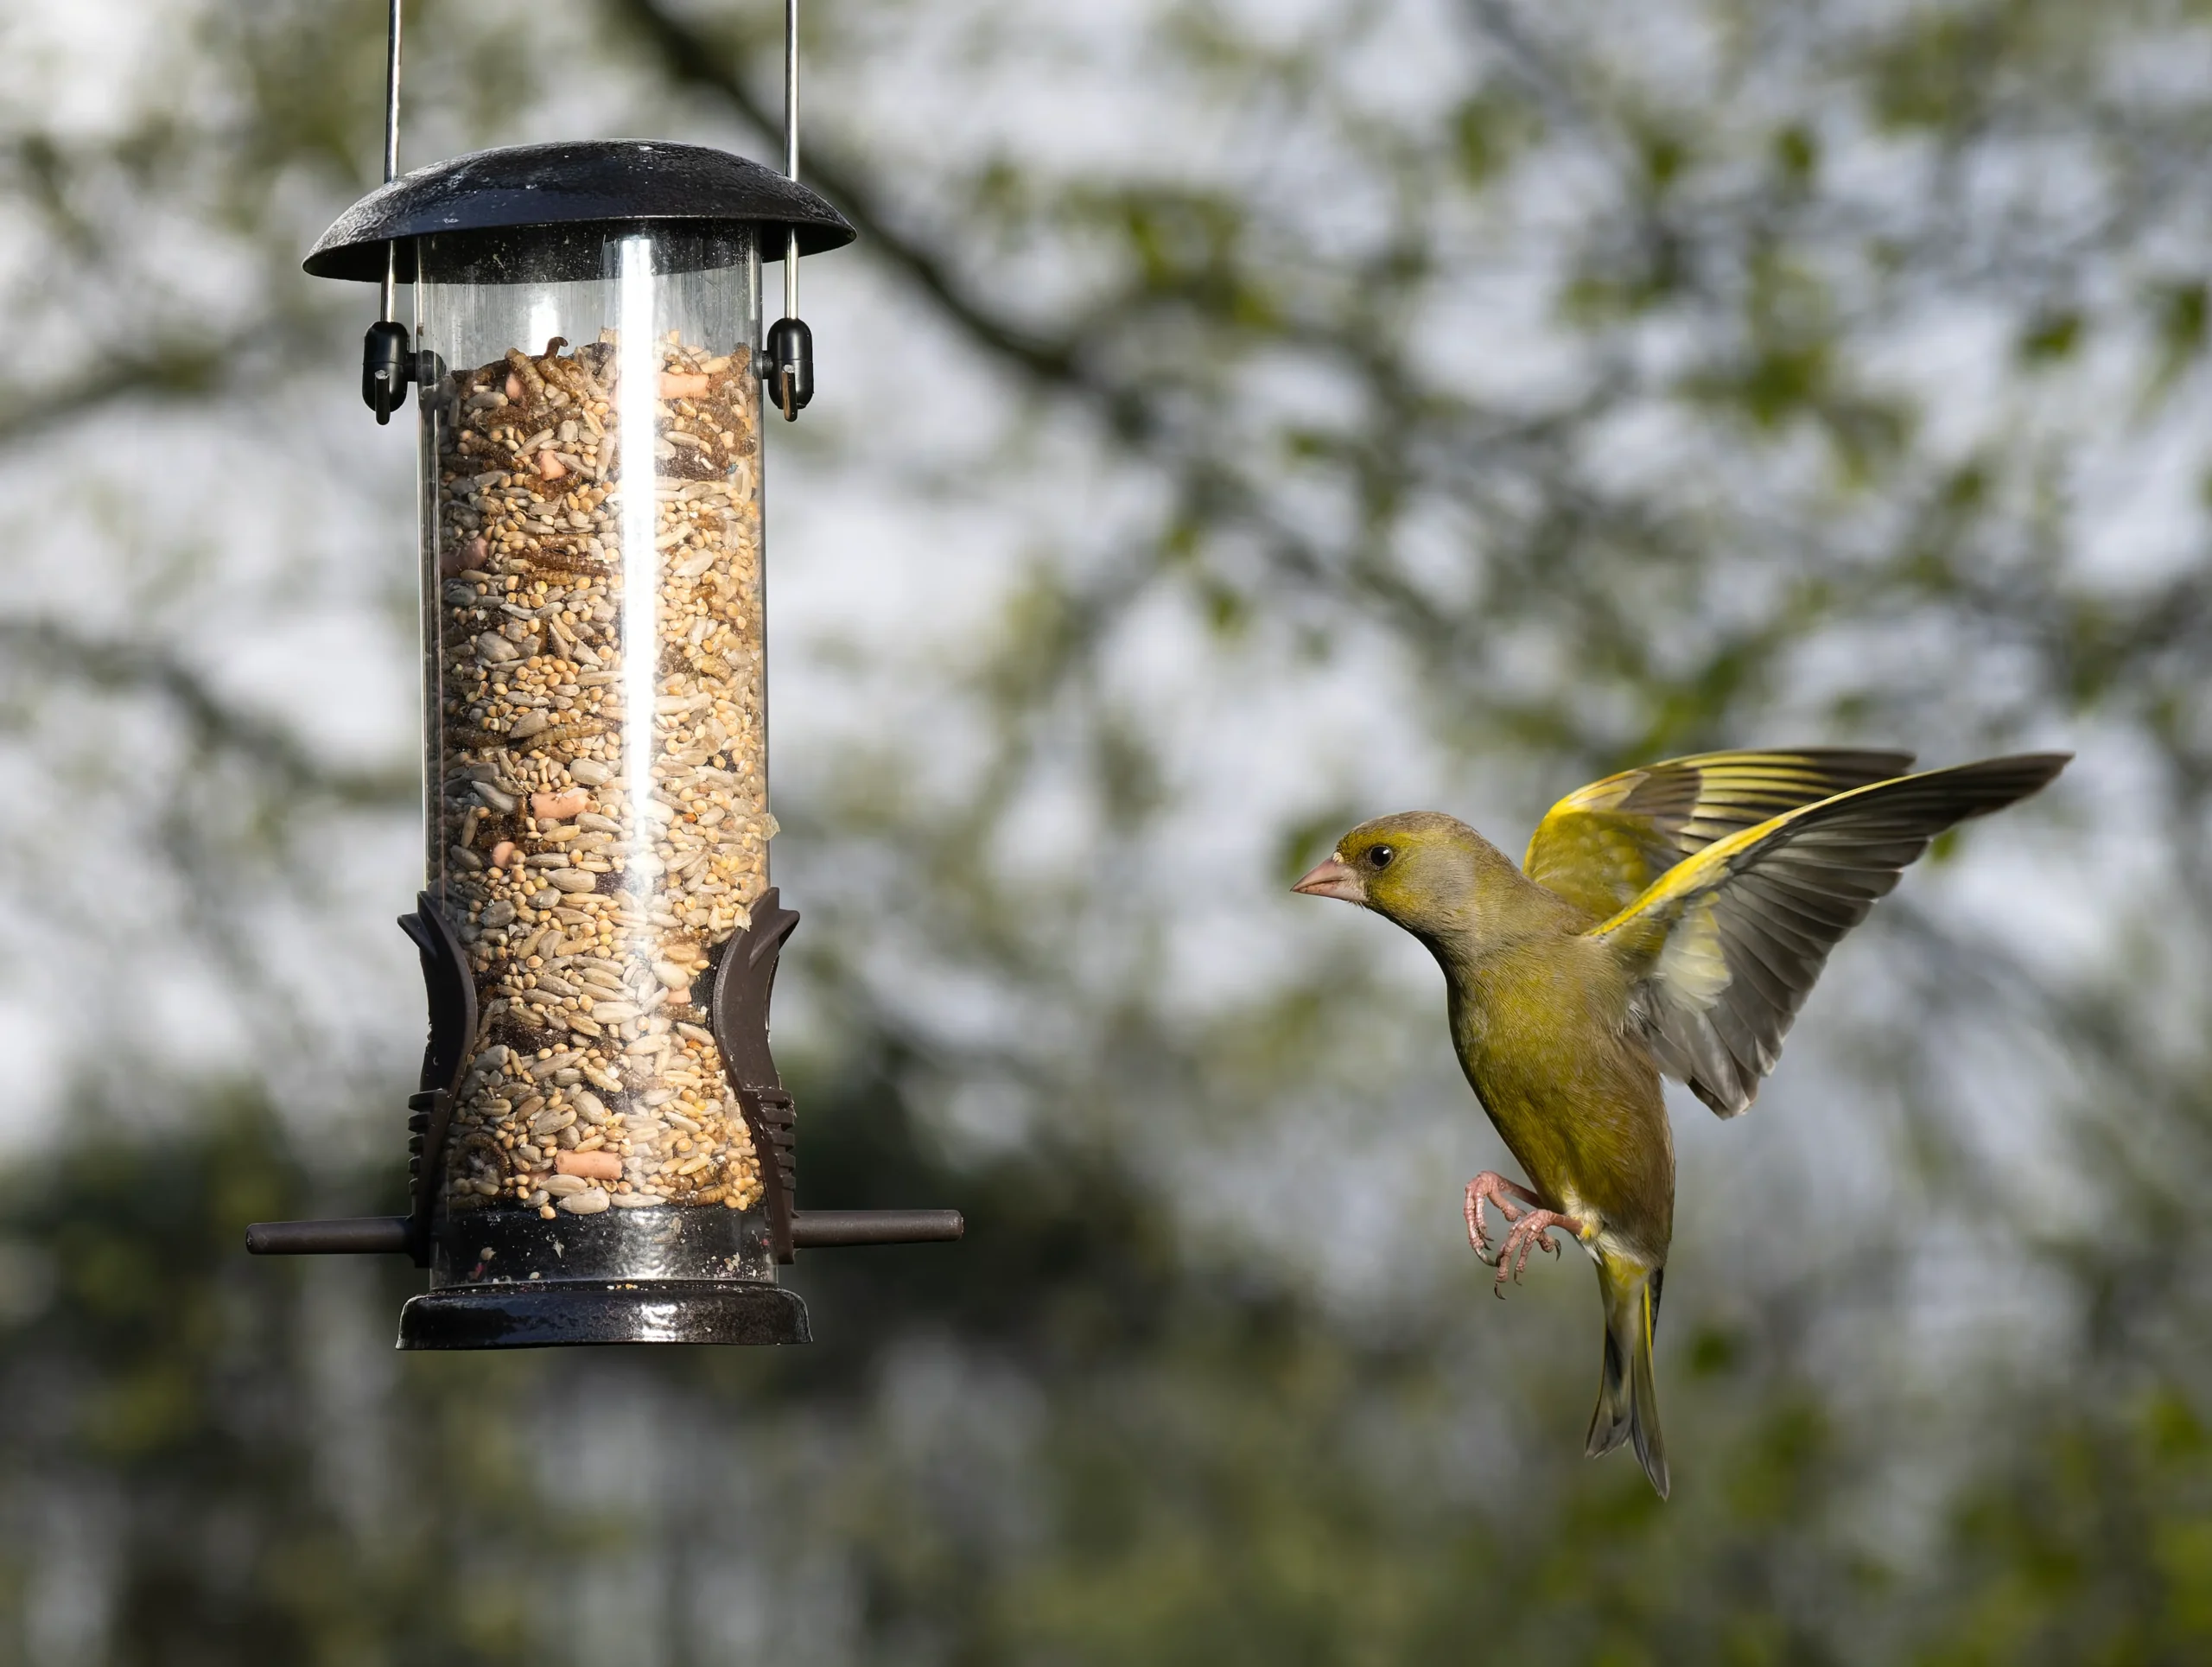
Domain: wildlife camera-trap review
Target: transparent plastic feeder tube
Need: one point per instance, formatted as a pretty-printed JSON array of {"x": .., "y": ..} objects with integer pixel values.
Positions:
[{"x": 595, "y": 695}]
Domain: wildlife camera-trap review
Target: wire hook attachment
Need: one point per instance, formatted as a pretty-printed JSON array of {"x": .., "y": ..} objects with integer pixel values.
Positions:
[
  {"x": 387, "y": 364},
  {"x": 787, "y": 356}
]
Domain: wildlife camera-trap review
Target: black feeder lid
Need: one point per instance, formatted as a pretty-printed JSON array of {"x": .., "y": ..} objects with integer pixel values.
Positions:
[{"x": 571, "y": 183}]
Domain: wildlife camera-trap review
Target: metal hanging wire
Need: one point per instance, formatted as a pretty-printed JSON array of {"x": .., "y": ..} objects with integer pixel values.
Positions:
[
  {"x": 387, "y": 361},
  {"x": 389, "y": 300},
  {"x": 791, "y": 146},
  {"x": 788, "y": 362},
  {"x": 788, "y": 359}
]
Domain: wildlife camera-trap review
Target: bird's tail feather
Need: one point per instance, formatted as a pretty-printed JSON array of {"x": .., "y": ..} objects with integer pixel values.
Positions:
[{"x": 1628, "y": 1396}]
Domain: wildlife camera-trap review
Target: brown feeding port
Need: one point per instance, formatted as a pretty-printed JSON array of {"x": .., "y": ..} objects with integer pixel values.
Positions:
[{"x": 602, "y": 1146}]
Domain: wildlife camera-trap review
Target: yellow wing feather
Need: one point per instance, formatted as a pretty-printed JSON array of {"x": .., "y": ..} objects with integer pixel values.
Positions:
[
  {"x": 1604, "y": 845},
  {"x": 1726, "y": 946}
]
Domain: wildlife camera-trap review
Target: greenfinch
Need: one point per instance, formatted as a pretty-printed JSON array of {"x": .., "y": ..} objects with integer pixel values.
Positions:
[{"x": 1667, "y": 921}]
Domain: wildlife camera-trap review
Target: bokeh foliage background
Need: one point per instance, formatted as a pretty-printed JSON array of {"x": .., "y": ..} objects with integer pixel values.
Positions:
[{"x": 1237, "y": 419}]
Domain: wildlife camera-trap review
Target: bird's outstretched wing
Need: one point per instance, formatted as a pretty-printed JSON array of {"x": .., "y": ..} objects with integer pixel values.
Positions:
[
  {"x": 1603, "y": 846},
  {"x": 1723, "y": 947}
]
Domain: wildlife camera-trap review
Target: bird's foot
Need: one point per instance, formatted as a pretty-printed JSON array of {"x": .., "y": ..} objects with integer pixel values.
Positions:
[
  {"x": 1491, "y": 1188},
  {"x": 1532, "y": 1232}
]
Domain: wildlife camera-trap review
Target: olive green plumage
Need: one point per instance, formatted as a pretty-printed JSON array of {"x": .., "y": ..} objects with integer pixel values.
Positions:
[{"x": 1669, "y": 920}]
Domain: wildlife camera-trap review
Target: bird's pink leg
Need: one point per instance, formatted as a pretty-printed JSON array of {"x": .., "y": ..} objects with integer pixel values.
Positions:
[
  {"x": 1530, "y": 1231},
  {"x": 1493, "y": 1187}
]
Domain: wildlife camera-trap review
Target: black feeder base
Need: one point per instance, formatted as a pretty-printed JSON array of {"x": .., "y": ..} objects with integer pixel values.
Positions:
[
  {"x": 511, "y": 1279},
  {"x": 561, "y": 1314}
]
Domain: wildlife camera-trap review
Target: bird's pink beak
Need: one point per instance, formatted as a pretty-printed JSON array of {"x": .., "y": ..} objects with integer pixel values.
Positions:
[{"x": 1333, "y": 879}]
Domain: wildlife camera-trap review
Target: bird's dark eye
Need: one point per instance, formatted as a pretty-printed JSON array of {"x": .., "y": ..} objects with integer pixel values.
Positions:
[{"x": 1378, "y": 856}]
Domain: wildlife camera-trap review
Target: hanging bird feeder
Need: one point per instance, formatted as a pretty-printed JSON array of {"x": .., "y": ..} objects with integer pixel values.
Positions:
[{"x": 602, "y": 1146}]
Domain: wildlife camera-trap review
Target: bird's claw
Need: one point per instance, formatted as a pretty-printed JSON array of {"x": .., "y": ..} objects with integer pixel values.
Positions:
[
  {"x": 1493, "y": 1188},
  {"x": 1530, "y": 1233}
]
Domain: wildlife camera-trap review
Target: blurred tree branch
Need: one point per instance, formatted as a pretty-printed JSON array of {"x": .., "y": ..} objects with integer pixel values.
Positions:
[
  {"x": 182, "y": 369},
  {"x": 216, "y": 725},
  {"x": 693, "y": 59}
]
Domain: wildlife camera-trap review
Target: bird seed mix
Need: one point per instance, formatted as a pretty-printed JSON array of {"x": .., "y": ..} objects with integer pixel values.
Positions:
[{"x": 600, "y": 818}]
